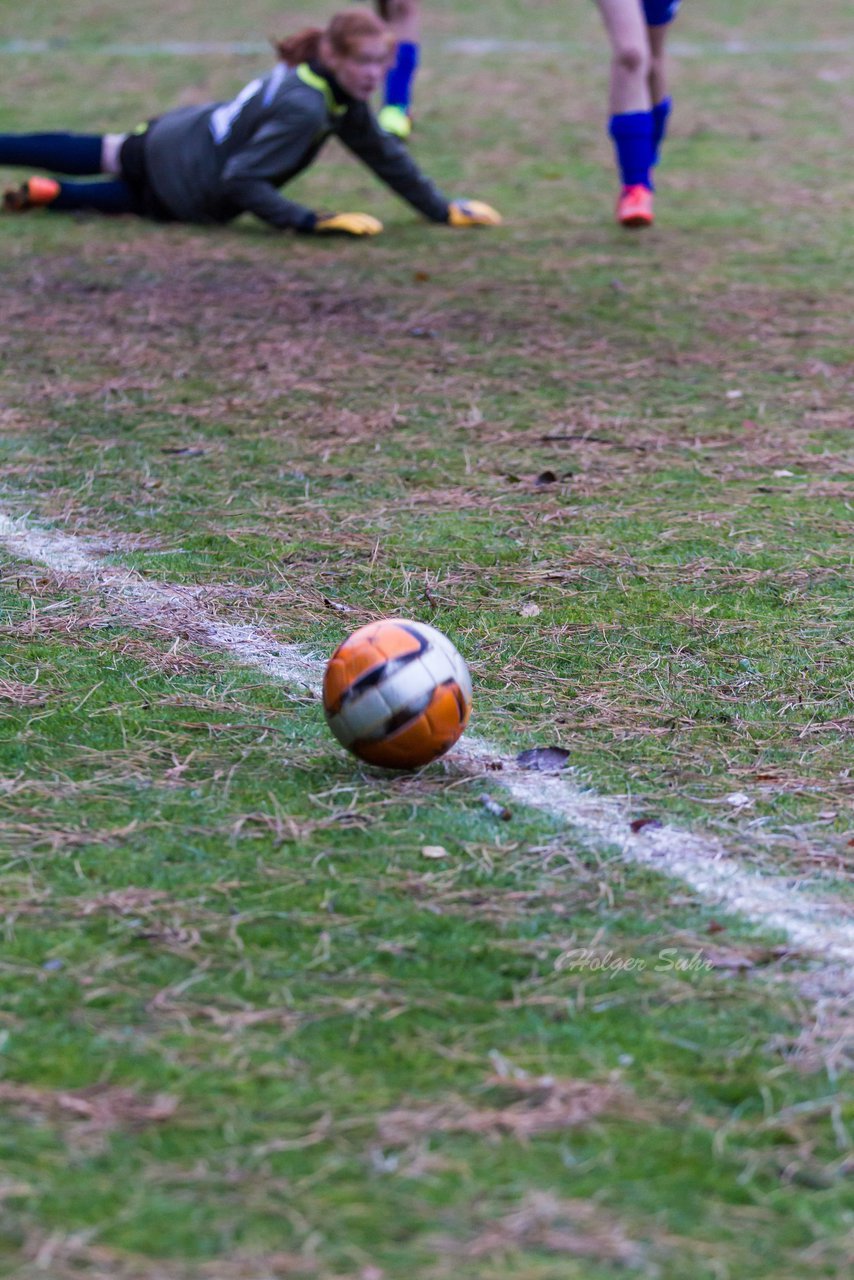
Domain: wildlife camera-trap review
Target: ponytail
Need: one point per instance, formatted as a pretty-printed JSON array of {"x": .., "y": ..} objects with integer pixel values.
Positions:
[
  {"x": 343, "y": 30},
  {"x": 303, "y": 47}
]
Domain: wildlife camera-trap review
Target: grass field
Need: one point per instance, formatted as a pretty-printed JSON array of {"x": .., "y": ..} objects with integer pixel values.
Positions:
[{"x": 248, "y": 1029}]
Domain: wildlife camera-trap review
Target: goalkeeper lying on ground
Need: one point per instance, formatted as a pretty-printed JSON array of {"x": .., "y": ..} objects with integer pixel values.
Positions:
[{"x": 210, "y": 164}]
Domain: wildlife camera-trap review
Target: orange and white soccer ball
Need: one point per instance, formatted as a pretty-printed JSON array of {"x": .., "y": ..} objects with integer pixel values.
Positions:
[{"x": 397, "y": 693}]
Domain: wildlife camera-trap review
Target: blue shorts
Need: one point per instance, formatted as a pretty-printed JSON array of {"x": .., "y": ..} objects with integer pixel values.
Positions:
[{"x": 659, "y": 12}]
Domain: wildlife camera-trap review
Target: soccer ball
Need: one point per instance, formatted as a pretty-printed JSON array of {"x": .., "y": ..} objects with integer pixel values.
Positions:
[{"x": 397, "y": 693}]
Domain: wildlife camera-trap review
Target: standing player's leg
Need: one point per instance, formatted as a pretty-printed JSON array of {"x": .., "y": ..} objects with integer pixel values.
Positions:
[
  {"x": 630, "y": 105},
  {"x": 404, "y": 18},
  {"x": 659, "y": 15},
  {"x": 67, "y": 153}
]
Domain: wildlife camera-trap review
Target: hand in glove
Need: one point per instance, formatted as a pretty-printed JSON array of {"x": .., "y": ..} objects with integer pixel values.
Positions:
[
  {"x": 350, "y": 224},
  {"x": 472, "y": 213}
]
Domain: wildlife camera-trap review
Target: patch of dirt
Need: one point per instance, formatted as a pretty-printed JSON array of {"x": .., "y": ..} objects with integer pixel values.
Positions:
[{"x": 141, "y": 324}]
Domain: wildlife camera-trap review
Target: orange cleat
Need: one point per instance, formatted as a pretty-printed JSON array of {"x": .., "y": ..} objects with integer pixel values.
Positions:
[
  {"x": 634, "y": 207},
  {"x": 35, "y": 193}
]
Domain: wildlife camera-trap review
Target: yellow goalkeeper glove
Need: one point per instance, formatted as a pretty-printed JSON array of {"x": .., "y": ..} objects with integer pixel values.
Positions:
[
  {"x": 472, "y": 213},
  {"x": 350, "y": 224}
]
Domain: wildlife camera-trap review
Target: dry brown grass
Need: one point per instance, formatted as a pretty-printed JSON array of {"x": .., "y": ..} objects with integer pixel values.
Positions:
[
  {"x": 68, "y": 1257},
  {"x": 546, "y": 1222},
  {"x": 95, "y": 1109},
  {"x": 533, "y": 1106}
]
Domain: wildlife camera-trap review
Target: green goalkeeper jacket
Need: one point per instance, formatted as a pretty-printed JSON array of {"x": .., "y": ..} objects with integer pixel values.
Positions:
[{"x": 212, "y": 163}]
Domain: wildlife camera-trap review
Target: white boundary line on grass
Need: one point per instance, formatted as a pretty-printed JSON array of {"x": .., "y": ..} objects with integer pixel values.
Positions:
[
  {"x": 472, "y": 48},
  {"x": 699, "y": 861},
  {"x": 734, "y": 47},
  {"x": 154, "y": 602}
]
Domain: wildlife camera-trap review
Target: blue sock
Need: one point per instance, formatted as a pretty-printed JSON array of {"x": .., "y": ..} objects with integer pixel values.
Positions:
[
  {"x": 660, "y": 113},
  {"x": 398, "y": 83},
  {"x": 632, "y": 134},
  {"x": 101, "y": 197},
  {"x": 60, "y": 152}
]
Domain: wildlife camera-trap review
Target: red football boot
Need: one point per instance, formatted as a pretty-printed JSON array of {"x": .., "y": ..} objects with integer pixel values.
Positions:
[
  {"x": 634, "y": 207},
  {"x": 35, "y": 193}
]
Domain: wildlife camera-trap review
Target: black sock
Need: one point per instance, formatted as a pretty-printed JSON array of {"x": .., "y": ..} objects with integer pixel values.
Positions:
[{"x": 59, "y": 152}]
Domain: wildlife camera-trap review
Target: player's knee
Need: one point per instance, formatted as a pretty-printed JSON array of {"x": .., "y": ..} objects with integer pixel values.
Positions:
[{"x": 632, "y": 60}]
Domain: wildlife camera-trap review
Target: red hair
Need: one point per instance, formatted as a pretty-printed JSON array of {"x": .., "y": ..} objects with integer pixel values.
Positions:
[{"x": 341, "y": 34}]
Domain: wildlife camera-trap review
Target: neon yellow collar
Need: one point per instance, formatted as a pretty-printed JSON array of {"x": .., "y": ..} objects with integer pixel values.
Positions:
[{"x": 315, "y": 81}]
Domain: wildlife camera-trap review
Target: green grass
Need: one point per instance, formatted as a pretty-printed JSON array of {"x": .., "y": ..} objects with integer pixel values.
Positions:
[{"x": 206, "y": 899}]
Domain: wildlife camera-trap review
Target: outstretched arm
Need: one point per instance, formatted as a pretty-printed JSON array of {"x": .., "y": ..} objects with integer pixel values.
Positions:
[{"x": 392, "y": 163}]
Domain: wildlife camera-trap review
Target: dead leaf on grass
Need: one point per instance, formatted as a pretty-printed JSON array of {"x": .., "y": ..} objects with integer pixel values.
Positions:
[{"x": 644, "y": 824}]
